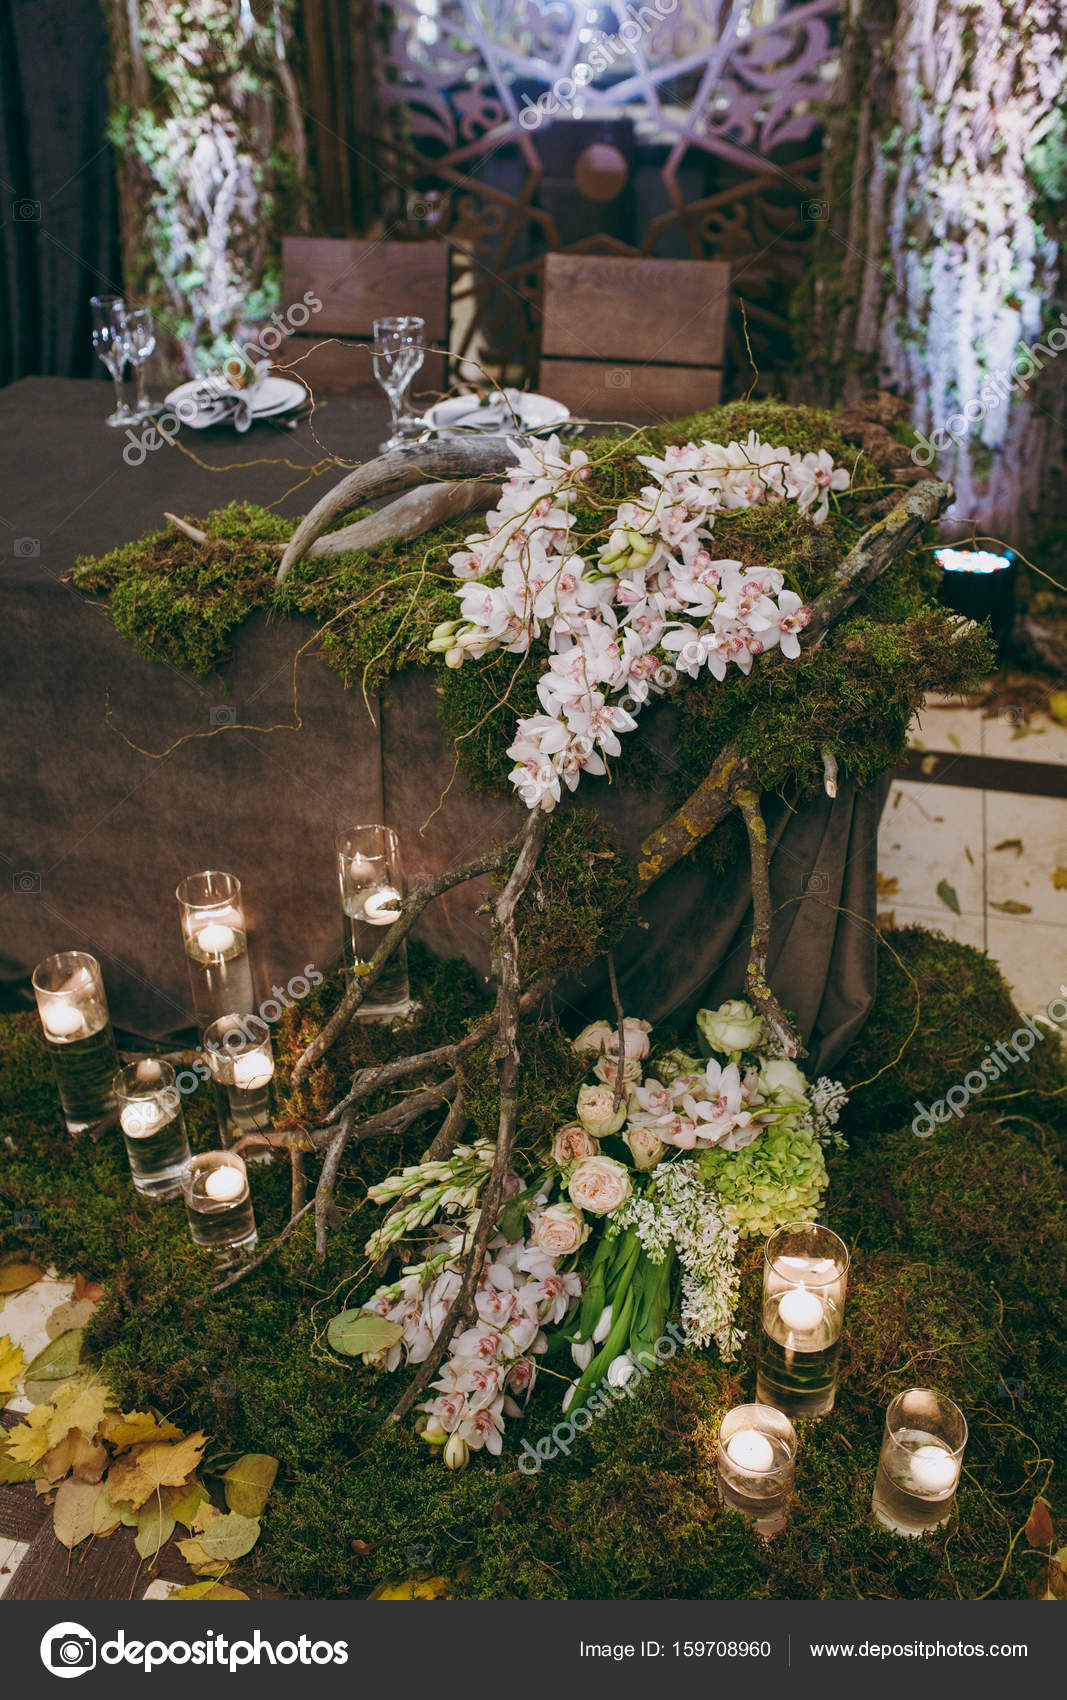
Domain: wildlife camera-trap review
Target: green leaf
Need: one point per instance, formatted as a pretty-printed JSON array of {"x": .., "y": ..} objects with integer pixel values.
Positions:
[
  {"x": 230, "y": 1537},
  {"x": 1010, "y": 907},
  {"x": 354, "y": 1332},
  {"x": 511, "y": 1220},
  {"x": 947, "y": 894},
  {"x": 155, "y": 1526},
  {"x": 248, "y": 1483},
  {"x": 56, "y": 1363}
]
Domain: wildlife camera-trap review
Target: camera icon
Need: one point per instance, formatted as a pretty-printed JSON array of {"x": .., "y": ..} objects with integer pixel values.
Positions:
[
  {"x": 419, "y": 1555},
  {"x": 224, "y": 1390},
  {"x": 25, "y": 211},
  {"x": 815, "y": 210},
  {"x": 223, "y": 717},
  {"x": 1012, "y": 715},
  {"x": 68, "y": 1649},
  {"x": 25, "y": 882},
  {"x": 617, "y": 379},
  {"x": 816, "y": 885},
  {"x": 26, "y": 548},
  {"x": 1010, "y": 1387},
  {"x": 27, "y": 1221}
]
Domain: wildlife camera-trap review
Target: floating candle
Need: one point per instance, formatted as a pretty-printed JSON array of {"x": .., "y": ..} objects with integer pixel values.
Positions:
[
  {"x": 63, "y": 1021},
  {"x": 215, "y": 939},
  {"x": 224, "y": 1184},
  {"x": 382, "y": 907},
  {"x": 800, "y": 1310},
  {"x": 252, "y": 1071},
  {"x": 932, "y": 1468},
  {"x": 750, "y": 1450},
  {"x": 141, "y": 1117}
]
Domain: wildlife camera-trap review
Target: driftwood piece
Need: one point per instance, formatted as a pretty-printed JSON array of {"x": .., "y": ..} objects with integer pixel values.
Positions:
[
  {"x": 409, "y": 516},
  {"x": 400, "y": 469},
  {"x": 756, "y": 982}
]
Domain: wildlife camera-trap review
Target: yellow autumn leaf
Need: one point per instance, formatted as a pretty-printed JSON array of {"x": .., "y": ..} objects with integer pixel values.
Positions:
[
  {"x": 184, "y": 1503},
  {"x": 419, "y": 1587},
  {"x": 74, "y": 1512},
  {"x": 1059, "y": 879},
  {"x": 200, "y": 1561},
  {"x": 11, "y": 1362},
  {"x": 248, "y": 1483},
  {"x": 16, "y": 1276},
  {"x": 29, "y": 1442},
  {"x": 207, "y": 1591},
  {"x": 72, "y": 1456},
  {"x": 78, "y": 1404},
  {"x": 105, "y": 1517},
  {"x": 135, "y": 1427},
  {"x": 138, "y": 1474}
]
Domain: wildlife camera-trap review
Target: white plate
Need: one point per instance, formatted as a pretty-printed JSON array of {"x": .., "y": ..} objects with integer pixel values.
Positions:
[
  {"x": 270, "y": 396},
  {"x": 533, "y": 412}
]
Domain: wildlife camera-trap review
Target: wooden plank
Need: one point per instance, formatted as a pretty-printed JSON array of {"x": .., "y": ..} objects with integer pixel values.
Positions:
[
  {"x": 343, "y": 366},
  {"x": 984, "y": 773},
  {"x": 21, "y": 1512},
  {"x": 358, "y": 282},
  {"x": 640, "y": 394},
  {"x": 106, "y": 1570},
  {"x": 652, "y": 311}
]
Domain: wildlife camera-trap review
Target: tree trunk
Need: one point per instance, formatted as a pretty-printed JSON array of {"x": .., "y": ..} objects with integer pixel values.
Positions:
[{"x": 938, "y": 275}]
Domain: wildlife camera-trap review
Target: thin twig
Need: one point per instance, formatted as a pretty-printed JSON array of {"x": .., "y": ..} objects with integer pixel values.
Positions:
[
  {"x": 414, "y": 904},
  {"x": 247, "y": 1269},
  {"x": 506, "y": 956},
  {"x": 756, "y": 974},
  {"x": 297, "y": 1180},
  {"x": 620, "y": 1019},
  {"x": 450, "y": 1132},
  {"x": 328, "y": 1180}
]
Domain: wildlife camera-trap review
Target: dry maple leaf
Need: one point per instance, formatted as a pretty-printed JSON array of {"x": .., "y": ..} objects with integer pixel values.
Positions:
[
  {"x": 133, "y": 1428},
  {"x": 11, "y": 1363},
  {"x": 134, "y": 1477}
]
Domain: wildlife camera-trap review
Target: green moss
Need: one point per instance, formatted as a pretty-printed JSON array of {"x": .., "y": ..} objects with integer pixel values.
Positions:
[
  {"x": 948, "y": 1288},
  {"x": 182, "y": 602}
]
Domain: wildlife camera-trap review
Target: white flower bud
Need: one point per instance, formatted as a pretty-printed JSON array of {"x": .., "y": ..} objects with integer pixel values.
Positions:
[
  {"x": 621, "y": 1369},
  {"x": 603, "y": 1327},
  {"x": 456, "y": 1453},
  {"x": 582, "y": 1353}
]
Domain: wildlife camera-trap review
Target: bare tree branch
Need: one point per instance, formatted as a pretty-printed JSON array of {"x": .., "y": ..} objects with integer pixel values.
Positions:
[
  {"x": 756, "y": 974},
  {"x": 620, "y": 1021}
]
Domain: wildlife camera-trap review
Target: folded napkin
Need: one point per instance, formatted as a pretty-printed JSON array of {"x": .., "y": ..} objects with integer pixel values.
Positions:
[
  {"x": 220, "y": 400},
  {"x": 503, "y": 411}
]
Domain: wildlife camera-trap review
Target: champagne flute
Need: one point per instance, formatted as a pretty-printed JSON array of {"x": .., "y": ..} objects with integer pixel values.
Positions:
[
  {"x": 140, "y": 345},
  {"x": 109, "y": 340},
  {"x": 399, "y": 350}
]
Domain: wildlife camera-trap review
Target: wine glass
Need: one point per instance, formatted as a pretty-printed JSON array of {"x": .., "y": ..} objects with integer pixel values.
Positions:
[
  {"x": 140, "y": 344},
  {"x": 109, "y": 340},
  {"x": 399, "y": 350}
]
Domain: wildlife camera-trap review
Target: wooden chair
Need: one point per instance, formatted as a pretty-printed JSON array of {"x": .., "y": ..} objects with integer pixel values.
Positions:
[
  {"x": 358, "y": 282},
  {"x": 633, "y": 339}
]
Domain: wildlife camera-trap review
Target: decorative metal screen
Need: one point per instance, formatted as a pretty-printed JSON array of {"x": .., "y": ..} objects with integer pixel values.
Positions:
[{"x": 677, "y": 128}]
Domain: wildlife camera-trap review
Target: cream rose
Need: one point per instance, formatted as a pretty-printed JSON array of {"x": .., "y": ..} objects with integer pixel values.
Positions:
[
  {"x": 635, "y": 1038},
  {"x": 596, "y": 1112},
  {"x": 572, "y": 1142},
  {"x": 783, "y": 1081},
  {"x": 646, "y": 1148},
  {"x": 732, "y": 1028},
  {"x": 597, "y": 1037},
  {"x": 561, "y": 1229},
  {"x": 599, "y": 1185}
]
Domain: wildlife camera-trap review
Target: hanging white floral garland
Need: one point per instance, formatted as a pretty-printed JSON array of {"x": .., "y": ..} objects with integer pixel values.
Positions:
[{"x": 654, "y": 601}]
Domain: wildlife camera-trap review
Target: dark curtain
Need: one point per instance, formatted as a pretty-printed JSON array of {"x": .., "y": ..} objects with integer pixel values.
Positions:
[{"x": 58, "y": 213}]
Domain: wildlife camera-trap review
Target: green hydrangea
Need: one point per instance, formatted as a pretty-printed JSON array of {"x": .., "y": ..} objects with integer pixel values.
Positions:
[
  {"x": 670, "y": 1064},
  {"x": 780, "y": 1177}
]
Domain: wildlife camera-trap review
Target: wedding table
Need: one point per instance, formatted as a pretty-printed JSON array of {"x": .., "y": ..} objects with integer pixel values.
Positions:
[{"x": 122, "y": 775}]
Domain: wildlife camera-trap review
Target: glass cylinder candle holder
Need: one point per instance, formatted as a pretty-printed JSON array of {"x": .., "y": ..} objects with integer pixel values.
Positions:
[
  {"x": 920, "y": 1462},
  {"x": 756, "y": 1459},
  {"x": 218, "y": 1202},
  {"x": 238, "y": 1053},
  {"x": 153, "y": 1127},
  {"x": 77, "y": 1030},
  {"x": 805, "y": 1273},
  {"x": 372, "y": 890},
  {"x": 216, "y": 946}
]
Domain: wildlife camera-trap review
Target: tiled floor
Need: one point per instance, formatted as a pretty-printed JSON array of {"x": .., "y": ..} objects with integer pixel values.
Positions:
[{"x": 999, "y": 851}]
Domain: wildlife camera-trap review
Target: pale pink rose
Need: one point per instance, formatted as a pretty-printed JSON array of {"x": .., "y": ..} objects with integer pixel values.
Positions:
[
  {"x": 607, "y": 1070},
  {"x": 596, "y": 1110},
  {"x": 571, "y": 1143},
  {"x": 561, "y": 1229},
  {"x": 599, "y": 1185},
  {"x": 597, "y": 1037}
]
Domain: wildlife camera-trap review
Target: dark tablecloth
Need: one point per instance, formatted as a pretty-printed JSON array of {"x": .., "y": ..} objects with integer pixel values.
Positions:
[{"x": 104, "y": 809}]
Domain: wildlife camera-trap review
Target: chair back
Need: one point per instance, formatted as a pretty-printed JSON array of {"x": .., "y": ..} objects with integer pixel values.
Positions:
[
  {"x": 634, "y": 339},
  {"x": 358, "y": 282}
]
